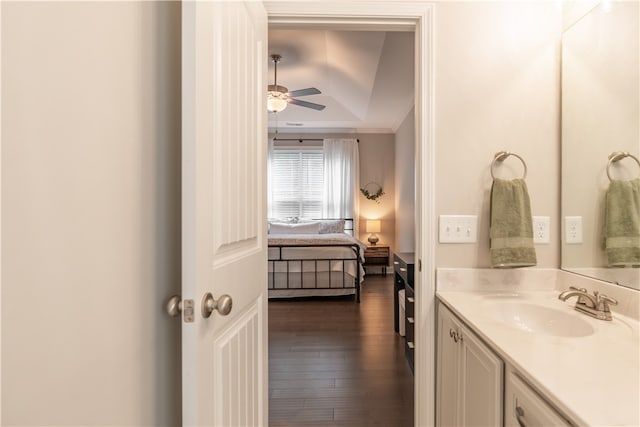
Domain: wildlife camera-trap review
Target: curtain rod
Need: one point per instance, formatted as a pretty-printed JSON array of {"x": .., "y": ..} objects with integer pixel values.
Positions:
[{"x": 303, "y": 139}]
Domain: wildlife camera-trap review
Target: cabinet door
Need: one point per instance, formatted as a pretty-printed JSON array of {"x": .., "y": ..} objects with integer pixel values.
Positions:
[
  {"x": 521, "y": 401},
  {"x": 468, "y": 376},
  {"x": 481, "y": 373},
  {"x": 447, "y": 362}
]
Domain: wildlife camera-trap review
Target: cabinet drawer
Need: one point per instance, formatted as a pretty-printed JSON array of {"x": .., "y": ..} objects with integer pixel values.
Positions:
[
  {"x": 373, "y": 251},
  {"x": 409, "y": 306},
  {"x": 523, "y": 406},
  {"x": 403, "y": 268}
]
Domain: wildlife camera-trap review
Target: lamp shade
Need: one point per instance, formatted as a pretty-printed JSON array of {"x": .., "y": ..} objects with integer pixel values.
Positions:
[{"x": 373, "y": 226}]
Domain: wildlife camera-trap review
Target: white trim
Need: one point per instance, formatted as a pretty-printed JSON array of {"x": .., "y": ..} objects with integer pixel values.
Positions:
[
  {"x": 425, "y": 222},
  {"x": 1, "y": 400},
  {"x": 385, "y": 16}
]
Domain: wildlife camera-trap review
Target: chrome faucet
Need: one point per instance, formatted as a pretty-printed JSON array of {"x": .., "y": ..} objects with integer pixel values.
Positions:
[{"x": 596, "y": 305}]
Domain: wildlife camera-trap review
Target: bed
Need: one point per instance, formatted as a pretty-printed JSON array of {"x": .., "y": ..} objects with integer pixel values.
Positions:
[{"x": 314, "y": 258}]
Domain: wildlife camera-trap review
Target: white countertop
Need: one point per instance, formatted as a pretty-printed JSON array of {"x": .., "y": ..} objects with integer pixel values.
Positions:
[{"x": 593, "y": 379}]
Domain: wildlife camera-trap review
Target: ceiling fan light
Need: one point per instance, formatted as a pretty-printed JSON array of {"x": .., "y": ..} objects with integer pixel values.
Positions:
[{"x": 276, "y": 102}]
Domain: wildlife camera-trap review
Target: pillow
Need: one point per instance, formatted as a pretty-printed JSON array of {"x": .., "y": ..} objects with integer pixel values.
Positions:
[
  {"x": 332, "y": 226},
  {"x": 305, "y": 220},
  {"x": 288, "y": 220},
  {"x": 306, "y": 228}
]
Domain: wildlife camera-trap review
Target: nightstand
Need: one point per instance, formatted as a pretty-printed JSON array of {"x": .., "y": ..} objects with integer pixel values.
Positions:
[{"x": 377, "y": 256}]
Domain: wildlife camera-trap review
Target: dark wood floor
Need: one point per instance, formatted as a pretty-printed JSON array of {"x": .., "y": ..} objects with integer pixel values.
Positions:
[{"x": 333, "y": 362}]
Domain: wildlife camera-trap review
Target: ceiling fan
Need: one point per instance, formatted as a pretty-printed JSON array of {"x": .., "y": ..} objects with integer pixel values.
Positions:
[{"x": 278, "y": 97}]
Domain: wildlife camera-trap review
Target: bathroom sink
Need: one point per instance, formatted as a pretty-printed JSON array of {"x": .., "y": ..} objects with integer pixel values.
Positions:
[{"x": 539, "y": 319}]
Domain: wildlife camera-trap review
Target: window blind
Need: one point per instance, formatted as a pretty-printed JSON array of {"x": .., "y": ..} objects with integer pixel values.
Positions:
[{"x": 297, "y": 180}]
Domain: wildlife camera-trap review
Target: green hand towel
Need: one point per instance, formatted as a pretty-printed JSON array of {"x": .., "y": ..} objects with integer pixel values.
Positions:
[
  {"x": 622, "y": 223},
  {"x": 511, "y": 229}
]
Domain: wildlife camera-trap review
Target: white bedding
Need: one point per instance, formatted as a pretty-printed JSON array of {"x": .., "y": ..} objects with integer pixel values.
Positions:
[
  {"x": 315, "y": 262},
  {"x": 313, "y": 239}
]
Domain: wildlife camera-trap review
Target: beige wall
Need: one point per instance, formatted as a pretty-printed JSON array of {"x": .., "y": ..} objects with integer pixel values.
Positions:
[
  {"x": 572, "y": 11},
  {"x": 405, "y": 185},
  {"x": 377, "y": 165},
  {"x": 496, "y": 88},
  {"x": 90, "y": 213}
]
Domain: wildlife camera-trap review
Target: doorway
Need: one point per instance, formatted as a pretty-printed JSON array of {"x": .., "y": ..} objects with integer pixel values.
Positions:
[
  {"x": 331, "y": 360},
  {"x": 417, "y": 18}
]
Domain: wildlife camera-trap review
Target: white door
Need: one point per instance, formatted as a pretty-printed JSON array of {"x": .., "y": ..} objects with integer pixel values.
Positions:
[{"x": 224, "y": 358}]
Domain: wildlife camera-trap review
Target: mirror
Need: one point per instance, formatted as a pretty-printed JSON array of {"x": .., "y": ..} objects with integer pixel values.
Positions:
[{"x": 600, "y": 115}]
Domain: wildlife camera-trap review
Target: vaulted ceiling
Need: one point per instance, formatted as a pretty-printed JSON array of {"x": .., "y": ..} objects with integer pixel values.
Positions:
[{"x": 366, "y": 79}]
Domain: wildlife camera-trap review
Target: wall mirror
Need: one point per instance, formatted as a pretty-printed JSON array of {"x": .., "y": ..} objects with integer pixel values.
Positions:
[{"x": 600, "y": 115}]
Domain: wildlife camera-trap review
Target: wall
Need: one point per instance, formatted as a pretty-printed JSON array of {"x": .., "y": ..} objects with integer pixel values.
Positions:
[
  {"x": 405, "y": 185},
  {"x": 496, "y": 88},
  {"x": 574, "y": 10},
  {"x": 377, "y": 165},
  {"x": 90, "y": 213}
]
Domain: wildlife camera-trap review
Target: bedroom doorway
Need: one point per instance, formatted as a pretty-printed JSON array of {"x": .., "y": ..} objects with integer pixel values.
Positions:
[{"x": 417, "y": 19}]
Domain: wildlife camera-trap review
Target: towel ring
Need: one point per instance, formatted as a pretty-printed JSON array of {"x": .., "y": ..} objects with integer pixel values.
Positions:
[
  {"x": 501, "y": 156},
  {"x": 617, "y": 156}
]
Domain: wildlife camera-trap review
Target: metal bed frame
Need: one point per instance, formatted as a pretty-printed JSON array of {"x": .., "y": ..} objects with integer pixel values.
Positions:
[{"x": 304, "y": 262}]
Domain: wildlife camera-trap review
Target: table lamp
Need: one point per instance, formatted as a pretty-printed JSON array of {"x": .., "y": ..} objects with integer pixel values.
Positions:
[{"x": 373, "y": 227}]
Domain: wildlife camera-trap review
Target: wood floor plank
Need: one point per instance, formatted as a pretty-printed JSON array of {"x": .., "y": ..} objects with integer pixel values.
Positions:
[
  {"x": 333, "y": 362},
  {"x": 298, "y": 383},
  {"x": 316, "y": 393},
  {"x": 292, "y": 414}
]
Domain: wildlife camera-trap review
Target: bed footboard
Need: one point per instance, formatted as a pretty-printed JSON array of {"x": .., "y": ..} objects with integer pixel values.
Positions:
[{"x": 315, "y": 270}]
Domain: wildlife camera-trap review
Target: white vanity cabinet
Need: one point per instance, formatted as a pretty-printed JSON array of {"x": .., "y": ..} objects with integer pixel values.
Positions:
[
  {"x": 524, "y": 407},
  {"x": 469, "y": 376}
]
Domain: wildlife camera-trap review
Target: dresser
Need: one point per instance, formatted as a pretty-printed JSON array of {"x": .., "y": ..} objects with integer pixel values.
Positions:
[{"x": 403, "y": 267}]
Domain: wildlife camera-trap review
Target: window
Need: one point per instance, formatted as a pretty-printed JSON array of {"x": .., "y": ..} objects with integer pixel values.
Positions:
[{"x": 296, "y": 186}]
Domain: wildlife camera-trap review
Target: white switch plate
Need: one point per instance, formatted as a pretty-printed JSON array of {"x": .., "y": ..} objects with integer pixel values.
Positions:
[
  {"x": 458, "y": 228},
  {"x": 541, "y": 225},
  {"x": 573, "y": 229}
]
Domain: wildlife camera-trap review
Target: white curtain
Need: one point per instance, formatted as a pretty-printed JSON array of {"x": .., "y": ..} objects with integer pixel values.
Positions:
[
  {"x": 269, "y": 183},
  {"x": 341, "y": 179}
]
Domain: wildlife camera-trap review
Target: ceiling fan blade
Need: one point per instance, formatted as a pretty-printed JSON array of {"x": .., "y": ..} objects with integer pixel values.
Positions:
[
  {"x": 305, "y": 92},
  {"x": 306, "y": 104}
]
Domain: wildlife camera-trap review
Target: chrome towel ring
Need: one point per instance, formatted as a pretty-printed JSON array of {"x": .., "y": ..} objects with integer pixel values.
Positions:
[
  {"x": 502, "y": 156},
  {"x": 617, "y": 156}
]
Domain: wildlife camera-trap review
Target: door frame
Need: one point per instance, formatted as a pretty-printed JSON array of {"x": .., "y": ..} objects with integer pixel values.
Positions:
[
  {"x": 390, "y": 16},
  {"x": 0, "y": 213}
]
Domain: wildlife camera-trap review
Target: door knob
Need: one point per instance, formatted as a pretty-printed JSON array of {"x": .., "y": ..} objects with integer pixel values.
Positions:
[
  {"x": 174, "y": 306},
  {"x": 222, "y": 304}
]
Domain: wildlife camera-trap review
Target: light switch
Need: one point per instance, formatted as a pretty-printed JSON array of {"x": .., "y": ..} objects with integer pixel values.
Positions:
[{"x": 458, "y": 228}]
